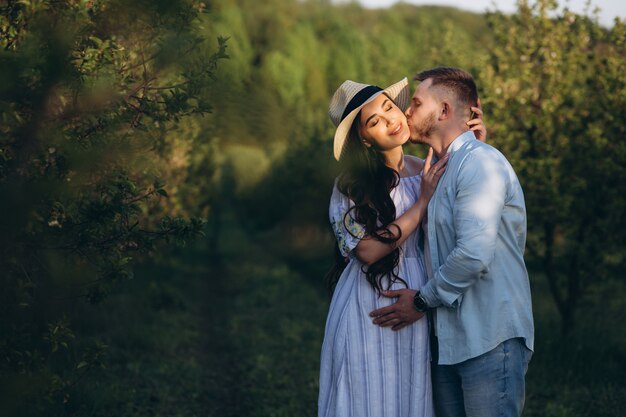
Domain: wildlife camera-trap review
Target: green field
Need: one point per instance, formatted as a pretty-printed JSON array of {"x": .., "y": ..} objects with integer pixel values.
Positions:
[{"x": 241, "y": 337}]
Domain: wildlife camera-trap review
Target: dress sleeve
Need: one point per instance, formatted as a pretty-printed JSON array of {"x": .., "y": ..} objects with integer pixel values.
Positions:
[{"x": 347, "y": 231}]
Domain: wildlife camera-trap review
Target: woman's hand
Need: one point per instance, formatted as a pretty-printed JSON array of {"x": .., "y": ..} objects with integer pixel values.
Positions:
[
  {"x": 477, "y": 125},
  {"x": 370, "y": 250},
  {"x": 431, "y": 175}
]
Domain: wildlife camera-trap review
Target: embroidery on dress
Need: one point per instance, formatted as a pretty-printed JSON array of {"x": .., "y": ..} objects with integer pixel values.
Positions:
[{"x": 346, "y": 232}]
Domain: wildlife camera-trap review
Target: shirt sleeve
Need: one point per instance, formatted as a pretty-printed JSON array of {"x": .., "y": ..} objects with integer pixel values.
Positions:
[
  {"x": 347, "y": 231},
  {"x": 477, "y": 210}
]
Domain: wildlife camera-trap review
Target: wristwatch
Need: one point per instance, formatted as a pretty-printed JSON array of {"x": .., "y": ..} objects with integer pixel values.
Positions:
[{"x": 419, "y": 303}]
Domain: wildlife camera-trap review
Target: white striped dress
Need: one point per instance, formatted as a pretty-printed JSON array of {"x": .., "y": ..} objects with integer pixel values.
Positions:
[{"x": 367, "y": 370}]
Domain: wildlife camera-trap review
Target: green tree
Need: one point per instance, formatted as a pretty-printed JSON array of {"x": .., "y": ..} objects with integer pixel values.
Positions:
[
  {"x": 89, "y": 90},
  {"x": 555, "y": 87}
]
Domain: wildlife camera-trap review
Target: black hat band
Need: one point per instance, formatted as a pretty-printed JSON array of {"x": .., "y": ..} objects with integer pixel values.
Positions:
[{"x": 360, "y": 98}]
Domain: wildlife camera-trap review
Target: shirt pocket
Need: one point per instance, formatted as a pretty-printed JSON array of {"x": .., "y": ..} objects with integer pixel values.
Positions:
[{"x": 445, "y": 204}]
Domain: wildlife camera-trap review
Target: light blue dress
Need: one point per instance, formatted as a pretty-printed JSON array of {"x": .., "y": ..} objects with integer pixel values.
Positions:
[{"x": 367, "y": 370}]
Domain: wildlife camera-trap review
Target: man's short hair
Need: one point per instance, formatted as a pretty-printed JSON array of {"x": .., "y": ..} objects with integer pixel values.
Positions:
[{"x": 457, "y": 81}]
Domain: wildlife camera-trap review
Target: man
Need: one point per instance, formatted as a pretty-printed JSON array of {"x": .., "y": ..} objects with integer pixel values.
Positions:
[{"x": 475, "y": 233}]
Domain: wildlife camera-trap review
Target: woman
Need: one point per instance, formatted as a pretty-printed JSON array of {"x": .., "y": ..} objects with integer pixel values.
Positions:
[{"x": 378, "y": 202}]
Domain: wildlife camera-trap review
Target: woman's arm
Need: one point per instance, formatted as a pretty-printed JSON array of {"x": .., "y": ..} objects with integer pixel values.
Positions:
[
  {"x": 477, "y": 125},
  {"x": 370, "y": 250}
]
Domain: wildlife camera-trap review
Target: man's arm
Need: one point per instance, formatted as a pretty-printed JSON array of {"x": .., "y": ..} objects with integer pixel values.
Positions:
[{"x": 481, "y": 192}]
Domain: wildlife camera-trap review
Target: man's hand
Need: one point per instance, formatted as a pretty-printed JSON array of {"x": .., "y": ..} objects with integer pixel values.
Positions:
[{"x": 400, "y": 314}]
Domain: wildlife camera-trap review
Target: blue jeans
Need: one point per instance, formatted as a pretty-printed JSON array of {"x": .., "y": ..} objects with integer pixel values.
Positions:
[{"x": 490, "y": 385}]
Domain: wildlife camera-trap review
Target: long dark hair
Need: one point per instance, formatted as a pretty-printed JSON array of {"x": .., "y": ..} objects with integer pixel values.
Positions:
[{"x": 367, "y": 181}]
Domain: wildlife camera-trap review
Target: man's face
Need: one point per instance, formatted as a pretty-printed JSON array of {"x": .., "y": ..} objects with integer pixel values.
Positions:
[{"x": 422, "y": 113}]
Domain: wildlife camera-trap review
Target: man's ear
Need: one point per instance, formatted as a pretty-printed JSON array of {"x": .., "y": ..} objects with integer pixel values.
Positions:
[{"x": 445, "y": 110}]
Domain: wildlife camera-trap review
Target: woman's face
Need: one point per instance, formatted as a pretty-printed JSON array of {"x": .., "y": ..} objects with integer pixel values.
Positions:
[{"x": 383, "y": 125}]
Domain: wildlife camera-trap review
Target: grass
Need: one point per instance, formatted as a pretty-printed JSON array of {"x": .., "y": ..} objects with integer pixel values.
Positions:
[
  {"x": 191, "y": 337},
  {"x": 242, "y": 337},
  {"x": 584, "y": 373},
  {"x": 156, "y": 333}
]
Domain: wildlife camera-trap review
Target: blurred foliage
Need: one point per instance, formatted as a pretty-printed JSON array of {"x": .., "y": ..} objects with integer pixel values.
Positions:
[
  {"x": 555, "y": 94},
  {"x": 123, "y": 127},
  {"x": 89, "y": 91},
  {"x": 552, "y": 83},
  {"x": 287, "y": 58}
]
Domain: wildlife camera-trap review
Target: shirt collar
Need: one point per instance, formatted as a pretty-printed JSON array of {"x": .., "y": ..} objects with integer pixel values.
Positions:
[{"x": 461, "y": 140}]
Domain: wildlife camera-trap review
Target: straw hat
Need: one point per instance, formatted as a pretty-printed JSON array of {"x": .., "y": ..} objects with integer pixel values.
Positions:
[{"x": 351, "y": 96}]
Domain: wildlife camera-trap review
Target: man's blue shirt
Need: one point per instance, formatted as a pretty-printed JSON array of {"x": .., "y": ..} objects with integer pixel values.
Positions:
[{"x": 476, "y": 235}]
